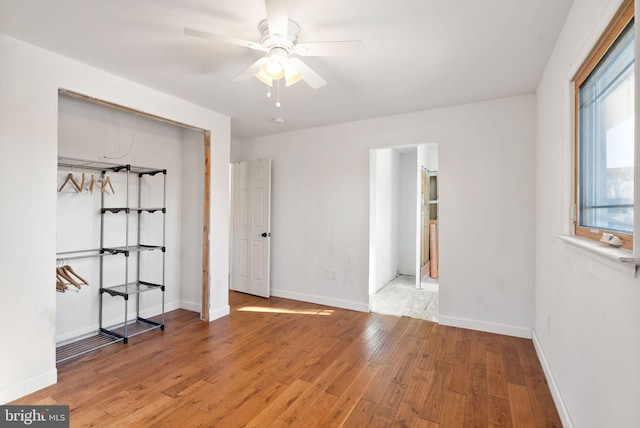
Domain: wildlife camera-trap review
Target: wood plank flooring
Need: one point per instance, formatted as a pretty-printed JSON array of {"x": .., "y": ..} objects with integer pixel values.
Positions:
[{"x": 281, "y": 363}]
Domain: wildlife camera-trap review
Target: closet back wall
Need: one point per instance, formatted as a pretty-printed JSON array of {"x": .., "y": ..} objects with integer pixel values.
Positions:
[{"x": 93, "y": 132}]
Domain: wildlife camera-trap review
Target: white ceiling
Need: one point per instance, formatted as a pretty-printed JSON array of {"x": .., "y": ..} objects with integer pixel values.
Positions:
[{"x": 420, "y": 54}]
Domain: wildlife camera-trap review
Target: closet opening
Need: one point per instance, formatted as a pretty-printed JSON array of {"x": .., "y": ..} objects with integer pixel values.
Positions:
[
  {"x": 101, "y": 133},
  {"x": 403, "y": 231}
]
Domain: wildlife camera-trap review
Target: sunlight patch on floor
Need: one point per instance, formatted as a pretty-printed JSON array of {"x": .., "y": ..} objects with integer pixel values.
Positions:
[{"x": 323, "y": 312}]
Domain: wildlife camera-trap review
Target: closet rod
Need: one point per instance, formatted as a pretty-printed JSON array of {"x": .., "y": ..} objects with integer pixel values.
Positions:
[
  {"x": 68, "y": 255},
  {"x": 90, "y": 165},
  {"x": 82, "y": 165}
]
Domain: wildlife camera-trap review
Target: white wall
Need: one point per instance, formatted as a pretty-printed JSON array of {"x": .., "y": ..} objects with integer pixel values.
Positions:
[
  {"x": 431, "y": 154},
  {"x": 407, "y": 215},
  {"x": 29, "y": 82},
  {"x": 387, "y": 216},
  {"x": 235, "y": 146},
  {"x": 587, "y": 321},
  {"x": 320, "y": 209},
  {"x": 392, "y": 215},
  {"x": 192, "y": 219}
]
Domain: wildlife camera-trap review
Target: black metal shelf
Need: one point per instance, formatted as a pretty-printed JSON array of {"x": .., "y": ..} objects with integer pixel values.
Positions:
[
  {"x": 129, "y": 210},
  {"x": 100, "y": 252},
  {"x": 124, "y": 331},
  {"x": 88, "y": 344},
  {"x": 132, "y": 249},
  {"x": 89, "y": 165},
  {"x": 131, "y": 288}
]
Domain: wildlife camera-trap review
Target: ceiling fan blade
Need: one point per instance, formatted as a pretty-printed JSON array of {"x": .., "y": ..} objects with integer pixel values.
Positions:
[
  {"x": 312, "y": 78},
  {"x": 251, "y": 70},
  {"x": 224, "y": 39},
  {"x": 278, "y": 16},
  {"x": 340, "y": 48}
]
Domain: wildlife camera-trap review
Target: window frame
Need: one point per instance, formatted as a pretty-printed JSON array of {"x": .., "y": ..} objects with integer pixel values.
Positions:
[{"x": 617, "y": 25}]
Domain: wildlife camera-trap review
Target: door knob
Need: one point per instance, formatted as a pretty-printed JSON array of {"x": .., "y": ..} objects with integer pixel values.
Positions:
[{"x": 265, "y": 234}]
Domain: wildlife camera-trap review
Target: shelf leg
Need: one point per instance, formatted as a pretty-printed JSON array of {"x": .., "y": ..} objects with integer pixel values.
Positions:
[{"x": 126, "y": 319}]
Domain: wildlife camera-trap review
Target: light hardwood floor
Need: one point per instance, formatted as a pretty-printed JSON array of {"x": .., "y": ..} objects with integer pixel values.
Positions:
[{"x": 276, "y": 362}]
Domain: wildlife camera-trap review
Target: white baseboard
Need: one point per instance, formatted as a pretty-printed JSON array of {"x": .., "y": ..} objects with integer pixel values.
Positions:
[
  {"x": 78, "y": 334},
  {"x": 197, "y": 307},
  {"x": 191, "y": 306},
  {"x": 13, "y": 392},
  {"x": 553, "y": 386},
  {"x": 489, "y": 327},
  {"x": 152, "y": 312},
  {"x": 219, "y": 313},
  {"x": 321, "y": 300}
]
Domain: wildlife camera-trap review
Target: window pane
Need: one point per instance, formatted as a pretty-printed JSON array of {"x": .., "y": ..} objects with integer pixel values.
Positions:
[{"x": 607, "y": 140}]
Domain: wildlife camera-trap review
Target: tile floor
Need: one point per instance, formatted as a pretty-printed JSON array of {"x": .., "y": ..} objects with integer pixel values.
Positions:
[{"x": 400, "y": 297}]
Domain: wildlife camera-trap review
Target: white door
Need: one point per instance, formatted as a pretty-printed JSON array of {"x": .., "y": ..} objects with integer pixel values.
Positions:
[{"x": 251, "y": 227}]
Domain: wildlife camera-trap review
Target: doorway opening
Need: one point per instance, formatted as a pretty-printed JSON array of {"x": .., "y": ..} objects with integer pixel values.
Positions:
[
  {"x": 403, "y": 256},
  {"x": 250, "y": 246}
]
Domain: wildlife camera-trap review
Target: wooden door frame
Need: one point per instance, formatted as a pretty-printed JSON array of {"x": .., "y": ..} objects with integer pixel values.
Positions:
[{"x": 204, "y": 309}]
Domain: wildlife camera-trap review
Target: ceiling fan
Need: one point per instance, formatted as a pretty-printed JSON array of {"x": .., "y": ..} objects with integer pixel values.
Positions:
[{"x": 279, "y": 40}]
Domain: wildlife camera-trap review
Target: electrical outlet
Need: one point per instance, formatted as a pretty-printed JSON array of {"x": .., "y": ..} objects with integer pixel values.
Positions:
[{"x": 330, "y": 275}]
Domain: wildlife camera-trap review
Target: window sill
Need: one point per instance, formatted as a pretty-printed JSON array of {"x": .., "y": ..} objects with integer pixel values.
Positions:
[{"x": 619, "y": 259}]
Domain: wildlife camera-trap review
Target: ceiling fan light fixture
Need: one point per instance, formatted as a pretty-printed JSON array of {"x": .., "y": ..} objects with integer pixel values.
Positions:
[
  {"x": 263, "y": 77},
  {"x": 273, "y": 69},
  {"x": 291, "y": 75}
]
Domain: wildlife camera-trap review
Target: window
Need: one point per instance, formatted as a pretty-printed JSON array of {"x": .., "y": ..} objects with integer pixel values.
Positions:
[{"x": 604, "y": 133}]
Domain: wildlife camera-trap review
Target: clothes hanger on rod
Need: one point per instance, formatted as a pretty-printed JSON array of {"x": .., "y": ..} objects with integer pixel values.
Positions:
[
  {"x": 63, "y": 275},
  {"x": 61, "y": 286},
  {"x": 70, "y": 270},
  {"x": 82, "y": 181},
  {"x": 104, "y": 181},
  {"x": 71, "y": 178}
]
